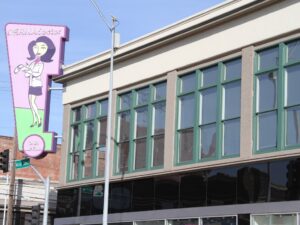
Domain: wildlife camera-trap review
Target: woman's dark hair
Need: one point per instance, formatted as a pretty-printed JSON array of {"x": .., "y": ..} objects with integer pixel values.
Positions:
[{"x": 50, "y": 51}]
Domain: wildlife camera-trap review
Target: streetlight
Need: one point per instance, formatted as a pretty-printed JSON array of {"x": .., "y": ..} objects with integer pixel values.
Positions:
[{"x": 108, "y": 139}]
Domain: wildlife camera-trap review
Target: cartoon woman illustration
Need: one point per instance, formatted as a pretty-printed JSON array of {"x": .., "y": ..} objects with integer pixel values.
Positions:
[{"x": 40, "y": 51}]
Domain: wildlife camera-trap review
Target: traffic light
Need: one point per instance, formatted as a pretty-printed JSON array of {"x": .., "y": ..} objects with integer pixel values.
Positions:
[
  {"x": 4, "y": 160},
  {"x": 35, "y": 215}
]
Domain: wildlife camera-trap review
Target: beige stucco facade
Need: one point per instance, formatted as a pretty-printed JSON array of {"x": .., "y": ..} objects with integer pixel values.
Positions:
[{"x": 234, "y": 28}]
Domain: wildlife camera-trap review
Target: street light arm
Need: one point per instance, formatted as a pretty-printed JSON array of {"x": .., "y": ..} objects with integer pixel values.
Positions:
[{"x": 102, "y": 16}]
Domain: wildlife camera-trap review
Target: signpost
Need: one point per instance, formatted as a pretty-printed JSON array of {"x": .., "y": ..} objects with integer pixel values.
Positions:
[{"x": 23, "y": 163}]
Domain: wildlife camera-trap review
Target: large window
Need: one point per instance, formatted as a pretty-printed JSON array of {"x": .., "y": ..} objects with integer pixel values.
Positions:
[
  {"x": 209, "y": 102},
  {"x": 277, "y": 102},
  {"x": 87, "y": 141},
  {"x": 141, "y": 129}
]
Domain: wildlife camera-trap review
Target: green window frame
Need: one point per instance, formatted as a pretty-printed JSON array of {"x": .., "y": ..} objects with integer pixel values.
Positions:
[
  {"x": 140, "y": 132},
  {"x": 276, "y": 105},
  {"x": 211, "y": 132},
  {"x": 86, "y": 156}
]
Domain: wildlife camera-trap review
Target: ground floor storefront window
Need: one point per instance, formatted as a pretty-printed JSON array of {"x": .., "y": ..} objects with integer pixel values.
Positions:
[{"x": 275, "y": 219}]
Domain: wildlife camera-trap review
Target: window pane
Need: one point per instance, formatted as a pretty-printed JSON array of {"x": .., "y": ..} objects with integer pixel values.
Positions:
[
  {"x": 156, "y": 222},
  {"x": 75, "y": 145},
  {"x": 233, "y": 69},
  {"x": 183, "y": 222},
  {"x": 102, "y": 126},
  {"x": 284, "y": 219},
  {"x": 123, "y": 156},
  {"x": 103, "y": 107},
  {"x": 143, "y": 96},
  {"x": 125, "y": 101},
  {"x": 120, "y": 197},
  {"x": 166, "y": 192},
  {"x": 88, "y": 163},
  {"x": 232, "y": 137},
  {"x": 160, "y": 91},
  {"x": 186, "y": 139},
  {"x": 88, "y": 133},
  {"x": 231, "y": 220},
  {"x": 159, "y": 113},
  {"x": 140, "y": 153},
  {"x": 187, "y": 111},
  {"x": 141, "y": 122},
  {"x": 268, "y": 59},
  {"x": 293, "y": 126},
  {"x": 193, "y": 189},
  {"x": 90, "y": 111},
  {"x": 209, "y": 76},
  {"x": 267, "y": 130},
  {"x": 221, "y": 186},
  {"x": 294, "y": 51},
  {"x": 208, "y": 106},
  {"x": 100, "y": 163},
  {"x": 76, "y": 114},
  {"x": 158, "y": 150},
  {"x": 232, "y": 92},
  {"x": 208, "y": 141},
  {"x": 143, "y": 194},
  {"x": 74, "y": 161},
  {"x": 124, "y": 119},
  {"x": 261, "y": 219},
  {"x": 293, "y": 82},
  {"x": 252, "y": 183},
  {"x": 267, "y": 91},
  {"x": 188, "y": 83}
]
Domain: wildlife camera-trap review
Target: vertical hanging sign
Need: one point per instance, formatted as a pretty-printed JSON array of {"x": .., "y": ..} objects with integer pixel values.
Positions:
[{"x": 35, "y": 53}]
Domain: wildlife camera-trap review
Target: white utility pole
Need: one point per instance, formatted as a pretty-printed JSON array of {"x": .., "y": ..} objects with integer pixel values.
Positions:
[{"x": 108, "y": 138}]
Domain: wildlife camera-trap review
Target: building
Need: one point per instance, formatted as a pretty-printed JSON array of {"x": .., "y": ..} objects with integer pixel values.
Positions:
[
  {"x": 205, "y": 122},
  {"x": 29, "y": 190}
]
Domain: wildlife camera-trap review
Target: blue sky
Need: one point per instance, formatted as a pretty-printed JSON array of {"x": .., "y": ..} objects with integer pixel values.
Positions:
[{"x": 88, "y": 34}]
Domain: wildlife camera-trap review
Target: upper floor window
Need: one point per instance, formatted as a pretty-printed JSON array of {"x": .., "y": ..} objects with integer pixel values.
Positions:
[
  {"x": 277, "y": 101},
  {"x": 208, "y": 120},
  {"x": 141, "y": 128},
  {"x": 87, "y": 141}
]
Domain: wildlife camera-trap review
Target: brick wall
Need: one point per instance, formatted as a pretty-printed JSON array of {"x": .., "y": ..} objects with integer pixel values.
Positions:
[{"x": 47, "y": 166}]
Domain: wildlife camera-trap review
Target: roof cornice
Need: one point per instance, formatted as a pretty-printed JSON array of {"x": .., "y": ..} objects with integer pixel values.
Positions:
[{"x": 202, "y": 21}]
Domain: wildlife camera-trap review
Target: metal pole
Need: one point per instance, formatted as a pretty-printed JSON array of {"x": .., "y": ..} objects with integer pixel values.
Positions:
[
  {"x": 47, "y": 190},
  {"x": 10, "y": 207},
  {"x": 108, "y": 140},
  {"x": 5, "y": 201},
  {"x": 46, "y": 206}
]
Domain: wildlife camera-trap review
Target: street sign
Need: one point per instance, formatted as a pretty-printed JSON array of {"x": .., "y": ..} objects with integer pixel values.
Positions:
[{"x": 23, "y": 163}]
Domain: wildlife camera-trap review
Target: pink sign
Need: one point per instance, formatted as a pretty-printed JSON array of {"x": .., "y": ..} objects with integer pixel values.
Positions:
[{"x": 35, "y": 55}]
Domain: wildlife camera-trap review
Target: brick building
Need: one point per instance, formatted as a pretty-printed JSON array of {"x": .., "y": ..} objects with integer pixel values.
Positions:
[{"x": 29, "y": 190}]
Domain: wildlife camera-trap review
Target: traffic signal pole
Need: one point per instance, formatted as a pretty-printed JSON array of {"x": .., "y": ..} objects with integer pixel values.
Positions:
[{"x": 11, "y": 188}]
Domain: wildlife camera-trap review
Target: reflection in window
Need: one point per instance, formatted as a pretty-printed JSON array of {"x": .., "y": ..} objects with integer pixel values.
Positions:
[
  {"x": 267, "y": 131},
  {"x": 183, "y": 222},
  {"x": 233, "y": 69},
  {"x": 120, "y": 197},
  {"x": 143, "y": 195},
  {"x": 188, "y": 83},
  {"x": 278, "y": 219},
  {"x": 221, "y": 186},
  {"x": 209, "y": 76},
  {"x": 141, "y": 128},
  {"x": 208, "y": 141},
  {"x": 230, "y": 220},
  {"x": 208, "y": 106},
  {"x": 293, "y": 51},
  {"x": 166, "y": 192},
  {"x": 268, "y": 59},
  {"x": 153, "y": 222}
]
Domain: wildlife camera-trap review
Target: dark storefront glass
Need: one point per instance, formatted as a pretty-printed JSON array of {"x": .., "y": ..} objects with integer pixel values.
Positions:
[
  {"x": 193, "y": 190},
  {"x": 167, "y": 192},
  {"x": 120, "y": 197},
  {"x": 251, "y": 183},
  {"x": 221, "y": 187},
  {"x": 143, "y": 195},
  {"x": 67, "y": 202},
  {"x": 230, "y": 220}
]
